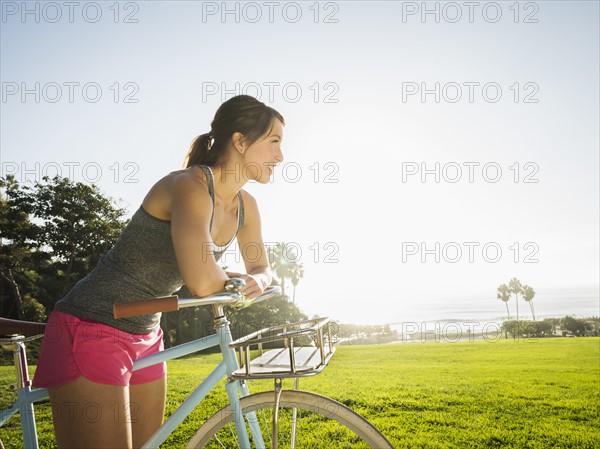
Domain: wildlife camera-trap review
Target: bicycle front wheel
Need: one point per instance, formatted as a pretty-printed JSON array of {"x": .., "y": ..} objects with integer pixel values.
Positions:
[{"x": 318, "y": 422}]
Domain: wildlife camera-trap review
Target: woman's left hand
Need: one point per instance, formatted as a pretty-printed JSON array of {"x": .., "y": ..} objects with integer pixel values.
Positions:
[{"x": 254, "y": 286}]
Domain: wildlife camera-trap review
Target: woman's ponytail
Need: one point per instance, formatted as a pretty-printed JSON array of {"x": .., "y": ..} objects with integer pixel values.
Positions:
[{"x": 199, "y": 151}]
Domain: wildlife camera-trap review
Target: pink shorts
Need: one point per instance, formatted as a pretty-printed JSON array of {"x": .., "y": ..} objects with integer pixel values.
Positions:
[{"x": 74, "y": 347}]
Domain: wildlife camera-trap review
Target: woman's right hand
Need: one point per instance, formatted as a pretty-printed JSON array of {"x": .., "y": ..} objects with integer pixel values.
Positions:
[{"x": 253, "y": 287}]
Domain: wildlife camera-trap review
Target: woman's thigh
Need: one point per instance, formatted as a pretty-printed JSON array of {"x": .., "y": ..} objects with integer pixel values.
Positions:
[
  {"x": 147, "y": 409},
  {"x": 87, "y": 414}
]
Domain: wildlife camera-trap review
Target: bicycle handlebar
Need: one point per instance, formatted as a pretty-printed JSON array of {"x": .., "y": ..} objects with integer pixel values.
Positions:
[{"x": 233, "y": 298}]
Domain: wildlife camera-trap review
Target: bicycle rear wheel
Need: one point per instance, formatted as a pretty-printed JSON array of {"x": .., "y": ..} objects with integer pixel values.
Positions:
[{"x": 319, "y": 422}]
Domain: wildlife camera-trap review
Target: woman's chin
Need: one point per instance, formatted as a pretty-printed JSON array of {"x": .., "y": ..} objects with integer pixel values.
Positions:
[
  {"x": 262, "y": 176},
  {"x": 263, "y": 179}
]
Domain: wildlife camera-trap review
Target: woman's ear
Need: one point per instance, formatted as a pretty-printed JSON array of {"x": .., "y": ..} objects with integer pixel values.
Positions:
[{"x": 239, "y": 142}]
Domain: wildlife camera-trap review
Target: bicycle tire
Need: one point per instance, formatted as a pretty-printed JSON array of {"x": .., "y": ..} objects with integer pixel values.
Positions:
[{"x": 356, "y": 428}]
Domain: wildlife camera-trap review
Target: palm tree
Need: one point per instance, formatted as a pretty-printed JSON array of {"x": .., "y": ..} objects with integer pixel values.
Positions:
[
  {"x": 280, "y": 264},
  {"x": 297, "y": 274},
  {"x": 528, "y": 294},
  {"x": 275, "y": 261},
  {"x": 515, "y": 287},
  {"x": 504, "y": 295}
]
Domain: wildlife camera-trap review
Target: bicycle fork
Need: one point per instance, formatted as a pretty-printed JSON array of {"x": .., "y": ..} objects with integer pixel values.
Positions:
[{"x": 236, "y": 389}]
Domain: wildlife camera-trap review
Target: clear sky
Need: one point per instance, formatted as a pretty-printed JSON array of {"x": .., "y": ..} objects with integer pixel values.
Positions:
[{"x": 500, "y": 102}]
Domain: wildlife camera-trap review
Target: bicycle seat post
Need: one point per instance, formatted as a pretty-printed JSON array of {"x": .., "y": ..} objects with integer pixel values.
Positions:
[{"x": 17, "y": 347}]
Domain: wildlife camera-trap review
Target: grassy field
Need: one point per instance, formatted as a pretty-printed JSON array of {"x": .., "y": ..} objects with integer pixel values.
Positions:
[{"x": 541, "y": 393}]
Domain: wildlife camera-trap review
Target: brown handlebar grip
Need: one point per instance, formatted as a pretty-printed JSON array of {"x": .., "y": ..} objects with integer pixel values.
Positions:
[{"x": 146, "y": 306}]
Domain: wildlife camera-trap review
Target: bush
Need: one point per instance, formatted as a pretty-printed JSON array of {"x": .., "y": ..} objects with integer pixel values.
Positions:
[
  {"x": 33, "y": 310},
  {"x": 528, "y": 329},
  {"x": 549, "y": 327},
  {"x": 579, "y": 327}
]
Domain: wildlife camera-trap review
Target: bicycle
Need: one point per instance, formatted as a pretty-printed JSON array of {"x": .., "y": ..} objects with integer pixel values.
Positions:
[{"x": 265, "y": 420}]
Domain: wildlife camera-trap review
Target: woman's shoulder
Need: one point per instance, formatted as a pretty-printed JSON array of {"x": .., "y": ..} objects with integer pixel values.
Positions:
[
  {"x": 193, "y": 174},
  {"x": 176, "y": 186},
  {"x": 248, "y": 200},
  {"x": 182, "y": 181}
]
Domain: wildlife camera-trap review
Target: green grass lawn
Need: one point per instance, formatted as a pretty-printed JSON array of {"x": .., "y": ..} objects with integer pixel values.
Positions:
[{"x": 541, "y": 393}]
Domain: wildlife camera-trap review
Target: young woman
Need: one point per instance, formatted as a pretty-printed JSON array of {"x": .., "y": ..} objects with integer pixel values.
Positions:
[{"x": 183, "y": 226}]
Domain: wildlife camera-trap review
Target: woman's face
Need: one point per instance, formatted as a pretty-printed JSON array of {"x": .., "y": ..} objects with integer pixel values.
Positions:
[{"x": 261, "y": 157}]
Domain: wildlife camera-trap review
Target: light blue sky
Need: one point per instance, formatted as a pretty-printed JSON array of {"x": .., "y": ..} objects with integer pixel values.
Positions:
[{"x": 171, "y": 54}]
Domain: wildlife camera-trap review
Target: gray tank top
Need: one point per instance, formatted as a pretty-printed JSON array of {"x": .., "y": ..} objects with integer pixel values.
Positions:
[{"x": 142, "y": 264}]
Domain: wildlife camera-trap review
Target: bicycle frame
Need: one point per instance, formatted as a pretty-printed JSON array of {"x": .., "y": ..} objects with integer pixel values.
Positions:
[{"x": 235, "y": 388}]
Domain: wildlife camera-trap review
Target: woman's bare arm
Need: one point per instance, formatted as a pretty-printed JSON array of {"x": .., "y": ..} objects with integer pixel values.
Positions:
[
  {"x": 191, "y": 209},
  {"x": 253, "y": 250}
]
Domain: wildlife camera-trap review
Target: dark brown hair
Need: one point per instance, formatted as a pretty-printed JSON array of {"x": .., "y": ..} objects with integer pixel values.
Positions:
[{"x": 243, "y": 114}]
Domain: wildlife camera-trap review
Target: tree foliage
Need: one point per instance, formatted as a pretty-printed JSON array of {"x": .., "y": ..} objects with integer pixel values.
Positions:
[{"x": 53, "y": 234}]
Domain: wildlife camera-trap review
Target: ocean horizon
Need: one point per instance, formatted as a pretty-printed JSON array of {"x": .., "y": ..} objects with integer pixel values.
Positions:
[{"x": 579, "y": 302}]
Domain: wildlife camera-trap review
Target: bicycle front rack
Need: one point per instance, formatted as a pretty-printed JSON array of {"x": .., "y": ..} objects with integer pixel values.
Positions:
[{"x": 290, "y": 360}]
